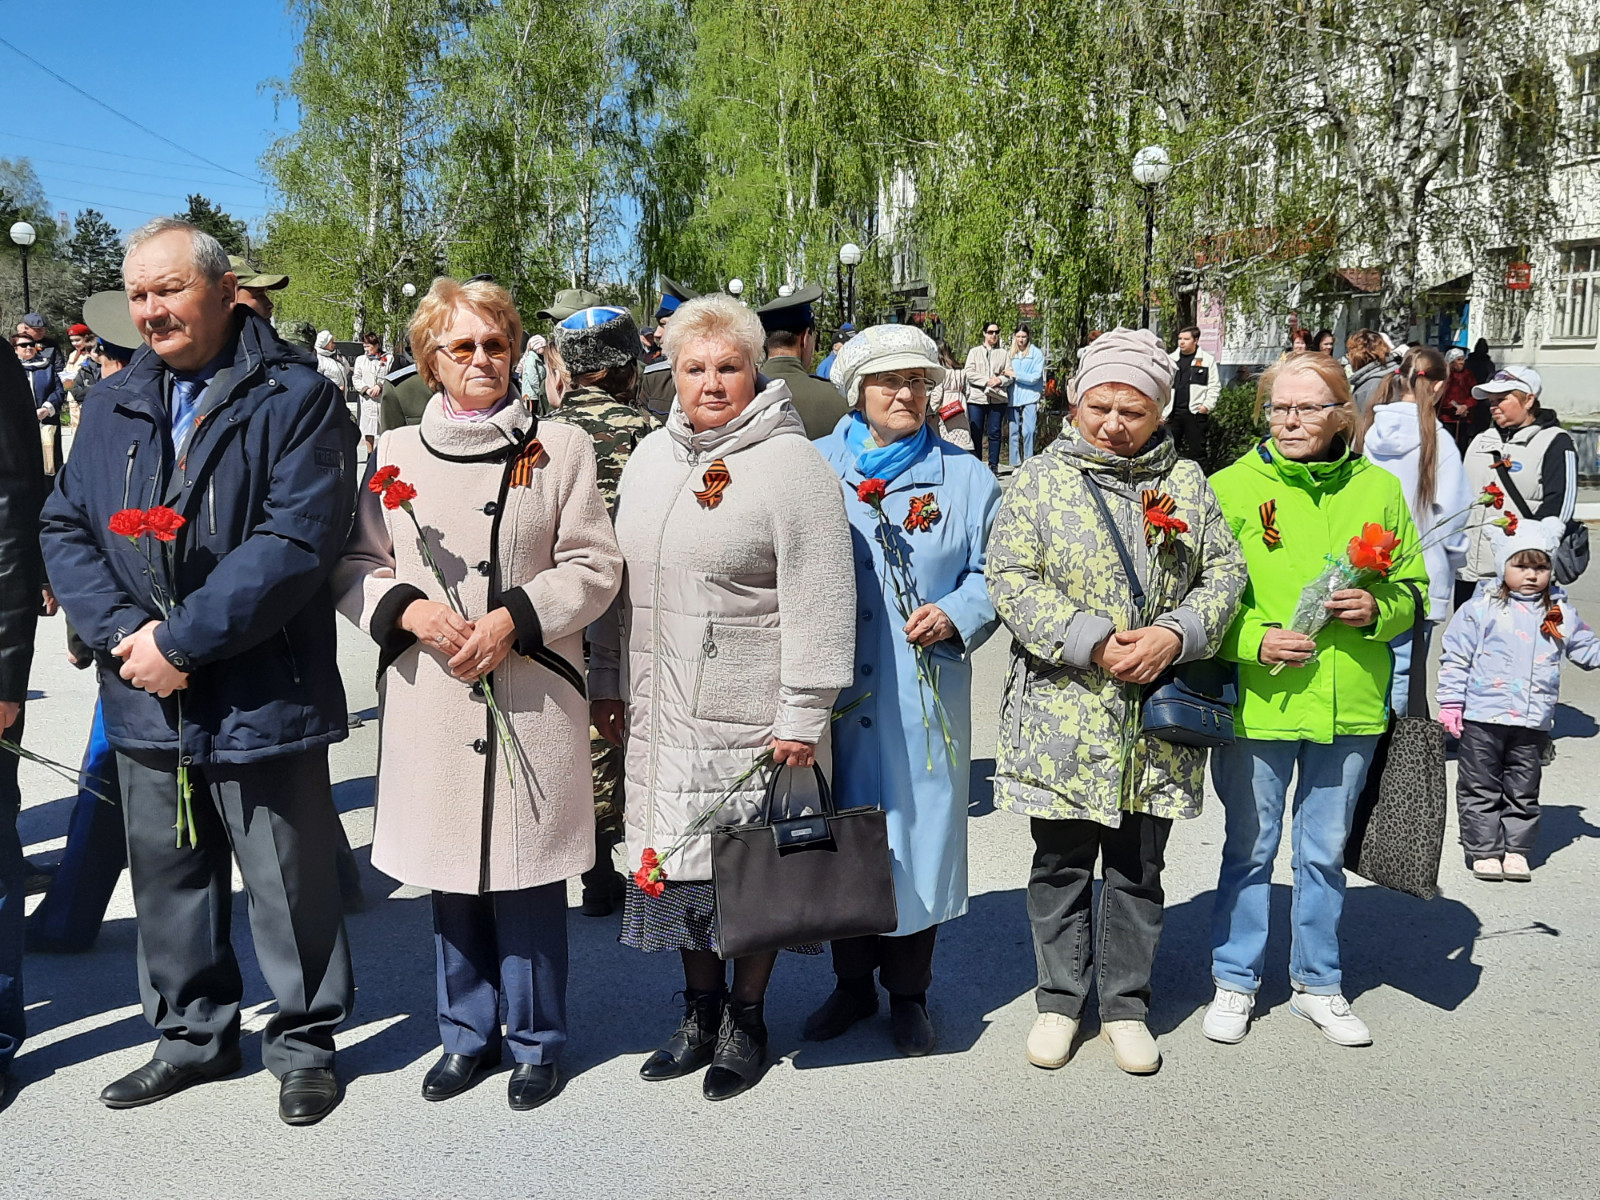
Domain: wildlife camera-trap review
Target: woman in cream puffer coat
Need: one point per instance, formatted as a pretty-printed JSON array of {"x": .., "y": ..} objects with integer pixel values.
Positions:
[{"x": 734, "y": 632}]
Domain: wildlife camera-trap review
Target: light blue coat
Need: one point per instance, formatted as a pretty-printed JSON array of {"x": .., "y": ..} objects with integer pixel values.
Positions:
[
  {"x": 1499, "y": 666},
  {"x": 1028, "y": 379},
  {"x": 881, "y": 750}
]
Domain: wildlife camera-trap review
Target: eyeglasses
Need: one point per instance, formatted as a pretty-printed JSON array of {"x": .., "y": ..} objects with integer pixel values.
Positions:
[
  {"x": 464, "y": 350},
  {"x": 1304, "y": 412},
  {"x": 26, "y": 345},
  {"x": 1499, "y": 398},
  {"x": 991, "y": 331},
  {"x": 897, "y": 383}
]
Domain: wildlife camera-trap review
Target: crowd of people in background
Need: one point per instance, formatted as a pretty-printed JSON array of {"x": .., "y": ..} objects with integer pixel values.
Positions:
[{"x": 611, "y": 574}]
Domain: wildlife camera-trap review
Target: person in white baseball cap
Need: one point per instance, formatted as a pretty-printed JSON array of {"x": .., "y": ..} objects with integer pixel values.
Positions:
[{"x": 1527, "y": 455}]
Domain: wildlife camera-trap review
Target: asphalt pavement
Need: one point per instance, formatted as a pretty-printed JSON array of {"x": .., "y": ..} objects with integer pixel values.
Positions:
[{"x": 1482, "y": 1079}]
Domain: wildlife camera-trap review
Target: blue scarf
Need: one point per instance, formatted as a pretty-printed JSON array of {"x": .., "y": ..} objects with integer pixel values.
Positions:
[{"x": 883, "y": 462}]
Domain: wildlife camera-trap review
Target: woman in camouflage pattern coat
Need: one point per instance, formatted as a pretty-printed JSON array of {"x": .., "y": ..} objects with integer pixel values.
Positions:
[{"x": 1069, "y": 753}]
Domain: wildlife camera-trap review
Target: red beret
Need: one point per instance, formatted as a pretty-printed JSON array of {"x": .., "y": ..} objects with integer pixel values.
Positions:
[{"x": 77, "y": 330}]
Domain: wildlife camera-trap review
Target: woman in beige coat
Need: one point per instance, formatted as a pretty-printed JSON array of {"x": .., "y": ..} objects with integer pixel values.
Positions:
[
  {"x": 735, "y": 633},
  {"x": 514, "y": 520}
]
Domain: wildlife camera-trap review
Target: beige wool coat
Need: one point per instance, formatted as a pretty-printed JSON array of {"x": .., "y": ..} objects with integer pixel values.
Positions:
[
  {"x": 736, "y": 624},
  {"x": 509, "y": 527}
]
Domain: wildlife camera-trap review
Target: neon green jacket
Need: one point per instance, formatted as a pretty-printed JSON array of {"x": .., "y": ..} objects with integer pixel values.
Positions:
[{"x": 1320, "y": 507}]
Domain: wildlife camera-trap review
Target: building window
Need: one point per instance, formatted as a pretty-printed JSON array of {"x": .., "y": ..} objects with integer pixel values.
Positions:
[
  {"x": 1586, "y": 105},
  {"x": 1577, "y": 312},
  {"x": 1505, "y": 311}
]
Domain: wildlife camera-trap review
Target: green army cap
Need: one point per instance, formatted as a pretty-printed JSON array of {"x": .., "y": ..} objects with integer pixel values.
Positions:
[
  {"x": 249, "y": 277},
  {"x": 106, "y": 315},
  {"x": 792, "y": 313},
  {"x": 567, "y": 302}
]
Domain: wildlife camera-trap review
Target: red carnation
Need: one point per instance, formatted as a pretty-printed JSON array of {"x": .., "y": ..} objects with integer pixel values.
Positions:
[
  {"x": 384, "y": 477},
  {"x": 650, "y": 877},
  {"x": 163, "y": 523},
  {"x": 1508, "y": 523},
  {"x": 1166, "y": 521},
  {"x": 397, "y": 493},
  {"x": 872, "y": 491},
  {"x": 1492, "y": 497},
  {"x": 129, "y": 523},
  {"x": 1374, "y": 549}
]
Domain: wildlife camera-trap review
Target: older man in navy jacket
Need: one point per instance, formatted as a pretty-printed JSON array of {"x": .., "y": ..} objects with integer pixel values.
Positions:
[{"x": 233, "y": 428}]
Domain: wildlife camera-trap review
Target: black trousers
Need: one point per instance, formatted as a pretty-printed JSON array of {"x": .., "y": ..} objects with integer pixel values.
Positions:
[
  {"x": 1189, "y": 431},
  {"x": 277, "y": 819},
  {"x": 1498, "y": 769},
  {"x": 904, "y": 964},
  {"x": 1121, "y": 946}
]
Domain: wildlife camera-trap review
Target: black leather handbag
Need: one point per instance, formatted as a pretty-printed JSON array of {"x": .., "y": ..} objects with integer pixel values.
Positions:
[
  {"x": 814, "y": 878},
  {"x": 1397, "y": 834},
  {"x": 1192, "y": 704}
]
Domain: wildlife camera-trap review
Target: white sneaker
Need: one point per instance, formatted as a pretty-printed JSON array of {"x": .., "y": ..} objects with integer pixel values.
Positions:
[
  {"x": 1489, "y": 870},
  {"x": 1332, "y": 1015},
  {"x": 1515, "y": 868},
  {"x": 1228, "y": 1018},
  {"x": 1132, "y": 1046},
  {"x": 1050, "y": 1040}
]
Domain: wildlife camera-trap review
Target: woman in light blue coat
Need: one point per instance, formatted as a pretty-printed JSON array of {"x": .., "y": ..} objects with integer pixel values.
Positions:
[
  {"x": 894, "y": 750},
  {"x": 1027, "y": 388}
]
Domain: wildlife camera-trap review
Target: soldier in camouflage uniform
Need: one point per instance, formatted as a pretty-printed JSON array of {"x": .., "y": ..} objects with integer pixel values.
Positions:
[
  {"x": 1071, "y": 753},
  {"x": 596, "y": 358}
]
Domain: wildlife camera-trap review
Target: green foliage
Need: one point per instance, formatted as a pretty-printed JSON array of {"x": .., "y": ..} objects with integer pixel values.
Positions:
[
  {"x": 95, "y": 249},
  {"x": 1234, "y": 428},
  {"x": 209, "y": 216}
]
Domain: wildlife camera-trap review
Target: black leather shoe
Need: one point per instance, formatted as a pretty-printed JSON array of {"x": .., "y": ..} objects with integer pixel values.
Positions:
[
  {"x": 910, "y": 1027},
  {"x": 694, "y": 1041},
  {"x": 307, "y": 1095},
  {"x": 531, "y": 1085},
  {"x": 741, "y": 1055},
  {"x": 603, "y": 890},
  {"x": 455, "y": 1073},
  {"x": 158, "y": 1079},
  {"x": 839, "y": 1011}
]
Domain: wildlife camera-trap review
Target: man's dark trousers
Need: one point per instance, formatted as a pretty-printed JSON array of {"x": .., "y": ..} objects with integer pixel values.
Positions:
[
  {"x": 13, "y": 873},
  {"x": 278, "y": 817}
]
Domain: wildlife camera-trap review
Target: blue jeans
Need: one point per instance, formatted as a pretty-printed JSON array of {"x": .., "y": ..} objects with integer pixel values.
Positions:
[
  {"x": 13, "y": 881},
  {"x": 1252, "y": 778},
  {"x": 1400, "y": 683},
  {"x": 69, "y": 916},
  {"x": 987, "y": 421},
  {"x": 1024, "y": 421}
]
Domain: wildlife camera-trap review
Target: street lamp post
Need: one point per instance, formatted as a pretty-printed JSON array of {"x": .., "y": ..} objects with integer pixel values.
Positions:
[
  {"x": 1151, "y": 168},
  {"x": 736, "y": 288},
  {"x": 24, "y": 236},
  {"x": 850, "y": 255}
]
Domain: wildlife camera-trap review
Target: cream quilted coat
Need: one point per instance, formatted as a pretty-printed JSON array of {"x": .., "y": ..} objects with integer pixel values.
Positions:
[{"x": 736, "y": 623}]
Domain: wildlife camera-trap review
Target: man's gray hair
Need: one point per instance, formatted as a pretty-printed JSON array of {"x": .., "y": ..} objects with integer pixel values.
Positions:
[{"x": 209, "y": 256}]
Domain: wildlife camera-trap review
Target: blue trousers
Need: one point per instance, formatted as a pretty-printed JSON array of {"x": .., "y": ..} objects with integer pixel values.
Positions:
[
  {"x": 510, "y": 946},
  {"x": 988, "y": 427},
  {"x": 13, "y": 878},
  {"x": 1024, "y": 423},
  {"x": 1400, "y": 683},
  {"x": 1252, "y": 778},
  {"x": 71, "y": 912}
]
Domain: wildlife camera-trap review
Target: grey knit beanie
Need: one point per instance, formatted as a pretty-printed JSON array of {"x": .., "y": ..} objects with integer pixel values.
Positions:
[
  {"x": 594, "y": 339},
  {"x": 1135, "y": 357}
]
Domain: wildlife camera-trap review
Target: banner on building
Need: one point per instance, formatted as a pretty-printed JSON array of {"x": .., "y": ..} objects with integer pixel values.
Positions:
[{"x": 1519, "y": 276}]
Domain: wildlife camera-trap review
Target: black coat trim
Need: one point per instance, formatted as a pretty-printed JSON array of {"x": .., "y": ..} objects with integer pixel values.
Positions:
[
  {"x": 530, "y": 634},
  {"x": 392, "y": 640}
]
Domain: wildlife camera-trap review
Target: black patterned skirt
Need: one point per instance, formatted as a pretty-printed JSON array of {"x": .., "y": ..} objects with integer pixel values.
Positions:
[{"x": 683, "y": 917}]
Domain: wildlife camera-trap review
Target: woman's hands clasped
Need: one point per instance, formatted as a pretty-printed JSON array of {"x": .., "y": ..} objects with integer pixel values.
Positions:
[
  {"x": 471, "y": 649},
  {"x": 1138, "y": 655}
]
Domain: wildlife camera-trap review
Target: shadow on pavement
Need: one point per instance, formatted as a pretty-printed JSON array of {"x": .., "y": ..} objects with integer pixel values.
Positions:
[
  {"x": 1560, "y": 825},
  {"x": 1574, "y": 723}
]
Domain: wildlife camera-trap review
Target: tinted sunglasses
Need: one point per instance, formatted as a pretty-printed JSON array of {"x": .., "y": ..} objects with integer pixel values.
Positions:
[{"x": 463, "y": 350}]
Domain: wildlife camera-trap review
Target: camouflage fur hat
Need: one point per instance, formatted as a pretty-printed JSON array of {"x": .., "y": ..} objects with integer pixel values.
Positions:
[{"x": 594, "y": 339}]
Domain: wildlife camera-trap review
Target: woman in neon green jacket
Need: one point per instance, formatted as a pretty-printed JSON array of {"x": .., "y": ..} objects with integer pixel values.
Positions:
[{"x": 1292, "y": 501}]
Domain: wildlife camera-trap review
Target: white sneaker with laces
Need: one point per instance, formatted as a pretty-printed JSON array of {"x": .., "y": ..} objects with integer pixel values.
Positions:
[
  {"x": 1228, "y": 1018},
  {"x": 1332, "y": 1015},
  {"x": 1050, "y": 1040}
]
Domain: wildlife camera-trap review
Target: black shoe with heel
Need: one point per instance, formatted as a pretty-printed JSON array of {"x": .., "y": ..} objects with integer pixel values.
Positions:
[
  {"x": 531, "y": 1085},
  {"x": 844, "y": 1007},
  {"x": 741, "y": 1054},
  {"x": 693, "y": 1042},
  {"x": 158, "y": 1079},
  {"x": 909, "y": 1026},
  {"x": 455, "y": 1073}
]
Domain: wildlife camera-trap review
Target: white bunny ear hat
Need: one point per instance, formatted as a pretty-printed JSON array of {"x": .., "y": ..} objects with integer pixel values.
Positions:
[{"x": 1530, "y": 535}]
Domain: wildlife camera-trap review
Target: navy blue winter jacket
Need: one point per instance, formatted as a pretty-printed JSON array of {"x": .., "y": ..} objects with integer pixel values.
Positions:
[{"x": 267, "y": 489}]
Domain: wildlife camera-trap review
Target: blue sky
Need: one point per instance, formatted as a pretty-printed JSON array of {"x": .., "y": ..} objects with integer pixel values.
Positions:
[{"x": 191, "y": 70}]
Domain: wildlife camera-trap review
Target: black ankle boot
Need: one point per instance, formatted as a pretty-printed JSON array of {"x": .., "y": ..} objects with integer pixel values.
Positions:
[
  {"x": 693, "y": 1043},
  {"x": 741, "y": 1051}
]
